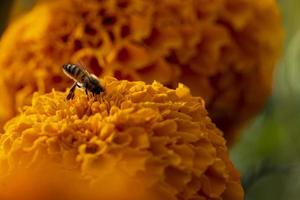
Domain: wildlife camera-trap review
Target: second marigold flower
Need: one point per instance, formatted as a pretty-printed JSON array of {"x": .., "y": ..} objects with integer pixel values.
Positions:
[{"x": 224, "y": 51}]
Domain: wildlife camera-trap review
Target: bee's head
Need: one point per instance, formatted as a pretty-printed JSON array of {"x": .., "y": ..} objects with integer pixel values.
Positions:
[{"x": 97, "y": 89}]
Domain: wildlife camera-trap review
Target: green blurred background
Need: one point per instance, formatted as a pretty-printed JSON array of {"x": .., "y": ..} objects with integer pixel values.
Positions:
[
  {"x": 268, "y": 153},
  {"x": 269, "y": 150}
]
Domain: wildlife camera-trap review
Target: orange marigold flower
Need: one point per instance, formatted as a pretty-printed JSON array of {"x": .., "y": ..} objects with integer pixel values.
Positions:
[
  {"x": 158, "y": 139},
  {"x": 224, "y": 51}
]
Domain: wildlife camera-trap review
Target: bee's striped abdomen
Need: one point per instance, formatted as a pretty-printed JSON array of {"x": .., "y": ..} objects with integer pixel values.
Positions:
[{"x": 74, "y": 71}]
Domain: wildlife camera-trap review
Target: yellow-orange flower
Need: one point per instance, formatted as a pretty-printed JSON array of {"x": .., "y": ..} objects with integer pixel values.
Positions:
[
  {"x": 224, "y": 50},
  {"x": 158, "y": 139}
]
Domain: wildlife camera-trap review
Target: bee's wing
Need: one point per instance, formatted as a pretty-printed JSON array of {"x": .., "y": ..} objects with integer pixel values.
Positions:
[
  {"x": 94, "y": 76},
  {"x": 82, "y": 66}
]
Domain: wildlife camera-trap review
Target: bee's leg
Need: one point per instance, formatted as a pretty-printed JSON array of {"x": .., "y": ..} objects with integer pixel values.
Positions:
[
  {"x": 87, "y": 93},
  {"x": 72, "y": 90},
  {"x": 70, "y": 95}
]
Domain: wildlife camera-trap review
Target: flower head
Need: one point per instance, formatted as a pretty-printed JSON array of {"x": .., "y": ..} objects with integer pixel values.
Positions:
[
  {"x": 224, "y": 51},
  {"x": 155, "y": 139}
]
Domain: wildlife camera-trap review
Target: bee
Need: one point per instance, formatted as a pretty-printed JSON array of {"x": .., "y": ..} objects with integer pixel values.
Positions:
[{"x": 83, "y": 79}]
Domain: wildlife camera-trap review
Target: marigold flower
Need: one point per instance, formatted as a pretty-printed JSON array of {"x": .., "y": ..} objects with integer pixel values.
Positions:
[
  {"x": 160, "y": 139},
  {"x": 225, "y": 51}
]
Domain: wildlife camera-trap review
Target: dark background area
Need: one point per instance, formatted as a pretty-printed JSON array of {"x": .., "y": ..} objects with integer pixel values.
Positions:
[{"x": 5, "y": 6}]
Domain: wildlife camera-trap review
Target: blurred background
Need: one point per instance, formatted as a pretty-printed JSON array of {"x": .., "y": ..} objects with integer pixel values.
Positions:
[{"x": 267, "y": 154}]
